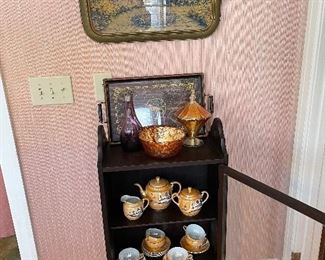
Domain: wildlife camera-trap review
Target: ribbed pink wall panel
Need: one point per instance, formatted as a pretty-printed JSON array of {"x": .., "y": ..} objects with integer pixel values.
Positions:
[
  {"x": 252, "y": 66},
  {"x": 6, "y": 225}
]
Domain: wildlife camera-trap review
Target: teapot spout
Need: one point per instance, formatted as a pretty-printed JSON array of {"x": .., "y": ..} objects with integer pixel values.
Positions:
[{"x": 142, "y": 192}]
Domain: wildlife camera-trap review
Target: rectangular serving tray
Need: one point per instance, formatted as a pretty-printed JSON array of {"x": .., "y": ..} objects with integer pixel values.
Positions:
[{"x": 156, "y": 99}]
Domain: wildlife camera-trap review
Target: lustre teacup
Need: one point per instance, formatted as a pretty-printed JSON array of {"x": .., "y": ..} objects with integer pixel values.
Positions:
[
  {"x": 195, "y": 236},
  {"x": 155, "y": 239},
  {"x": 178, "y": 253}
]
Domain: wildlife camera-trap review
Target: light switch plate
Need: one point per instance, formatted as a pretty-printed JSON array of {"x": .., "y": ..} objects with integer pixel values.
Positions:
[
  {"x": 98, "y": 85},
  {"x": 51, "y": 90}
]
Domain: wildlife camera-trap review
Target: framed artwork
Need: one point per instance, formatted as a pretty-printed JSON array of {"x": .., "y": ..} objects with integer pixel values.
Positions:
[
  {"x": 156, "y": 99},
  {"x": 143, "y": 20}
]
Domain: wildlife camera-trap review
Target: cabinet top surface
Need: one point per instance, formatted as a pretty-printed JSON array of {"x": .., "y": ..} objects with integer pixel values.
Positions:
[{"x": 115, "y": 159}]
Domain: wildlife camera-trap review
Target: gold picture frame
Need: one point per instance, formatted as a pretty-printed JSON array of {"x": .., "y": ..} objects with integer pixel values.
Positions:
[{"x": 149, "y": 20}]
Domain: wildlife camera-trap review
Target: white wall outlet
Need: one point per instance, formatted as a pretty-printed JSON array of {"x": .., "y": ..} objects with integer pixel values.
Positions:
[
  {"x": 98, "y": 85},
  {"x": 51, "y": 90}
]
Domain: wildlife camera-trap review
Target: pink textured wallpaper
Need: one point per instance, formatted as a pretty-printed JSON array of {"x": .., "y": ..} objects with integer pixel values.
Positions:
[
  {"x": 6, "y": 225},
  {"x": 252, "y": 66}
]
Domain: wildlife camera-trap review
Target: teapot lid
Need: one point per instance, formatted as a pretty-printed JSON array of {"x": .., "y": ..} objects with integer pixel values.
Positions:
[
  {"x": 190, "y": 193},
  {"x": 158, "y": 182}
]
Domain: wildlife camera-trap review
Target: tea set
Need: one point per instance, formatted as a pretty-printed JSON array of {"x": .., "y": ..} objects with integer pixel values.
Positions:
[
  {"x": 158, "y": 194},
  {"x": 157, "y": 244}
]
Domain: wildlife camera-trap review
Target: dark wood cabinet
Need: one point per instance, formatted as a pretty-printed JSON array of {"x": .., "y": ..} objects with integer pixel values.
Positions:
[
  {"x": 204, "y": 168},
  {"x": 194, "y": 167}
]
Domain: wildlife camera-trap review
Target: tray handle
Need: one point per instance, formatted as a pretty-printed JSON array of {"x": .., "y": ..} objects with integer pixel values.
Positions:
[{"x": 209, "y": 103}]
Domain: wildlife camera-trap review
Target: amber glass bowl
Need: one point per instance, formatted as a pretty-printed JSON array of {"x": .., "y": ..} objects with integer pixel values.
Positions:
[{"x": 162, "y": 141}]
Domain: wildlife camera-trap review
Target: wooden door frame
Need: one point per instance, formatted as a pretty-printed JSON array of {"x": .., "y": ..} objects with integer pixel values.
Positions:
[
  {"x": 308, "y": 164},
  {"x": 14, "y": 184}
]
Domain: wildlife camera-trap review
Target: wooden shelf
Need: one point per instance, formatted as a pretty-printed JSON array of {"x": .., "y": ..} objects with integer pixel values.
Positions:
[
  {"x": 116, "y": 160},
  {"x": 171, "y": 215},
  {"x": 209, "y": 255}
]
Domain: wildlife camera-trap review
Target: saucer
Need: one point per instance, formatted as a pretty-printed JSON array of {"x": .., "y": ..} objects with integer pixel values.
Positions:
[
  {"x": 205, "y": 247},
  {"x": 160, "y": 253},
  {"x": 141, "y": 258}
]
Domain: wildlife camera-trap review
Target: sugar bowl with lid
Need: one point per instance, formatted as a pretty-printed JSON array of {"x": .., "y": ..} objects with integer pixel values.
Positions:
[
  {"x": 158, "y": 191},
  {"x": 190, "y": 201}
]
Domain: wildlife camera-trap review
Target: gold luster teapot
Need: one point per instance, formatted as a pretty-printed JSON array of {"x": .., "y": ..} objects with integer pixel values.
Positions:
[
  {"x": 190, "y": 201},
  {"x": 158, "y": 191}
]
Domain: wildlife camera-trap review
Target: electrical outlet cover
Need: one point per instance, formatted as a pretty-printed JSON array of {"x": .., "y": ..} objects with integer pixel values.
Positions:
[{"x": 98, "y": 85}]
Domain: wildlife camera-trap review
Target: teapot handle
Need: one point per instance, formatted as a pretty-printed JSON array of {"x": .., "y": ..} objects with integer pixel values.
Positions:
[
  {"x": 177, "y": 183},
  {"x": 207, "y": 196},
  {"x": 175, "y": 195},
  {"x": 144, "y": 202}
]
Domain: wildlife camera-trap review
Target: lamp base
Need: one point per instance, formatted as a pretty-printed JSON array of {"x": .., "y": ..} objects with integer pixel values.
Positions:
[{"x": 193, "y": 142}]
